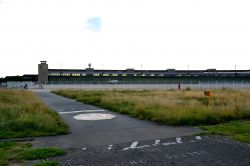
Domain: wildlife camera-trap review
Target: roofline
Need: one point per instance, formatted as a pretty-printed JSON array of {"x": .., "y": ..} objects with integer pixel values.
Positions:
[{"x": 82, "y": 70}]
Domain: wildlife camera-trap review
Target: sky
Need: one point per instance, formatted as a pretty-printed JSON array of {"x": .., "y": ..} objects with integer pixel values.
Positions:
[{"x": 120, "y": 34}]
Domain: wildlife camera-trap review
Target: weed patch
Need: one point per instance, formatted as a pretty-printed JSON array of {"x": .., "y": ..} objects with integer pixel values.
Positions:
[
  {"x": 170, "y": 107},
  {"x": 22, "y": 114},
  {"x": 19, "y": 152},
  {"x": 43, "y": 153}
]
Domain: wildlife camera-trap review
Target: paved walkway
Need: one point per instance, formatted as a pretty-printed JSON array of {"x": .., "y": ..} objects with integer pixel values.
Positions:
[{"x": 118, "y": 129}]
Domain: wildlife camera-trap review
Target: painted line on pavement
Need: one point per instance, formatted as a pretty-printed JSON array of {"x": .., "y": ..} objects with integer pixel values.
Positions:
[
  {"x": 132, "y": 146},
  {"x": 94, "y": 116},
  {"x": 87, "y": 111},
  {"x": 198, "y": 137},
  {"x": 110, "y": 147},
  {"x": 178, "y": 140},
  {"x": 157, "y": 142}
]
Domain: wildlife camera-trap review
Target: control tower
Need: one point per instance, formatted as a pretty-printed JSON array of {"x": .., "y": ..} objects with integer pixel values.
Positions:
[{"x": 43, "y": 72}]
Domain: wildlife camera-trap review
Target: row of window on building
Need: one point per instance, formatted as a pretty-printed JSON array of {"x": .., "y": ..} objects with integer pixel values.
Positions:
[
  {"x": 115, "y": 75},
  {"x": 146, "y": 74}
]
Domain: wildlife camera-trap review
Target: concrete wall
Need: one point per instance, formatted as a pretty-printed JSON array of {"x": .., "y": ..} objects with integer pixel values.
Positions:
[{"x": 19, "y": 84}]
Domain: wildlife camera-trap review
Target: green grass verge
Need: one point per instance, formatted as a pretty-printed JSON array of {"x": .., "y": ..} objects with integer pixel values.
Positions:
[
  {"x": 22, "y": 114},
  {"x": 9, "y": 151},
  {"x": 48, "y": 163},
  {"x": 43, "y": 153},
  {"x": 19, "y": 152},
  {"x": 238, "y": 130},
  {"x": 170, "y": 107}
]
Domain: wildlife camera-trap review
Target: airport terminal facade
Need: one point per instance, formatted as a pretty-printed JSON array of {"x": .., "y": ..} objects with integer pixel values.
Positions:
[{"x": 132, "y": 76}]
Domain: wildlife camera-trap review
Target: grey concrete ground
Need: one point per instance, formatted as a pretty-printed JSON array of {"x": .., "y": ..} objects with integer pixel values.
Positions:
[
  {"x": 127, "y": 141},
  {"x": 120, "y": 129}
]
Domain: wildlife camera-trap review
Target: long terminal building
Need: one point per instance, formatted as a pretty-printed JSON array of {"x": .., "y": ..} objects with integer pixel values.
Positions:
[{"x": 129, "y": 76}]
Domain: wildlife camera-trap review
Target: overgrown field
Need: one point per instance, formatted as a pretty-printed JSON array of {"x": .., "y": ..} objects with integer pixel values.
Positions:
[
  {"x": 22, "y": 114},
  {"x": 170, "y": 107}
]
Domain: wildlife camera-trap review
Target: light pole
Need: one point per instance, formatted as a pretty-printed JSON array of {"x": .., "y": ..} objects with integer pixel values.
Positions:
[{"x": 235, "y": 71}]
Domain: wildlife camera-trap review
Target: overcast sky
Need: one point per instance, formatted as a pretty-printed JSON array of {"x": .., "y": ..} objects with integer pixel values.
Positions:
[{"x": 120, "y": 34}]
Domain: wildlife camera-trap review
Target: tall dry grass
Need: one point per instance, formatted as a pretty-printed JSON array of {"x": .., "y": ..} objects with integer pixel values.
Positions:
[
  {"x": 22, "y": 114},
  {"x": 171, "y": 107}
]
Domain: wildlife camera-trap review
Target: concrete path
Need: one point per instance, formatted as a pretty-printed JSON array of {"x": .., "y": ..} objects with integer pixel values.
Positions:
[{"x": 119, "y": 129}]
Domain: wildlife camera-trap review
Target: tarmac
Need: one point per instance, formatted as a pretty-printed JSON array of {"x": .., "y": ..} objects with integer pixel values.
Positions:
[
  {"x": 119, "y": 129},
  {"x": 103, "y": 138}
]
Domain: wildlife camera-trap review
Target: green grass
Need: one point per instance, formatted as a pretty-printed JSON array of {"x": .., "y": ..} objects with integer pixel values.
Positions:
[
  {"x": 9, "y": 151},
  {"x": 19, "y": 152},
  {"x": 42, "y": 153},
  {"x": 22, "y": 114},
  {"x": 238, "y": 130},
  {"x": 170, "y": 107},
  {"x": 47, "y": 163}
]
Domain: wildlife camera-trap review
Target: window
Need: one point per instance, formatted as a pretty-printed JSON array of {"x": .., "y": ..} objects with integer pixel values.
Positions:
[
  {"x": 54, "y": 74},
  {"x": 65, "y": 74}
]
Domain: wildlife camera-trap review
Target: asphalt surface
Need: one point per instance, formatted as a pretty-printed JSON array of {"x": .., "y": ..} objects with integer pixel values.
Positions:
[
  {"x": 188, "y": 151},
  {"x": 125, "y": 141},
  {"x": 120, "y": 129}
]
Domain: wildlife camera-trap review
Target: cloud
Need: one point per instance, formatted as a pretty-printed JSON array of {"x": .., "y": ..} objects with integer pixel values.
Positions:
[{"x": 94, "y": 24}]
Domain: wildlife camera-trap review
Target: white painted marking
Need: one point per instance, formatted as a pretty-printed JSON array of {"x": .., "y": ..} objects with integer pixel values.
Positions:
[
  {"x": 87, "y": 111},
  {"x": 169, "y": 143},
  {"x": 94, "y": 116},
  {"x": 178, "y": 140},
  {"x": 144, "y": 146},
  {"x": 84, "y": 148},
  {"x": 132, "y": 146},
  {"x": 157, "y": 142},
  {"x": 190, "y": 153},
  {"x": 196, "y": 153},
  {"x": 198, "y": 137},
  {"x": 133, "y": 162},
  {"x": 110, "y": 147}
]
